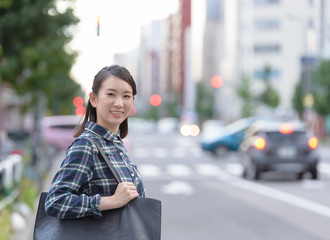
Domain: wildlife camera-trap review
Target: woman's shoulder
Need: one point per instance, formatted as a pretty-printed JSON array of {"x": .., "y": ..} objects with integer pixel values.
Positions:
[{"x": 83, "y": 141}]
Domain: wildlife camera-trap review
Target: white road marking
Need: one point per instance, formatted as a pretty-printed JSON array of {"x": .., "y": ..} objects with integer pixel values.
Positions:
[
  {"x": 324, "y": 168},
  {"x": 178, "y": 153},
  {"x": 149, "y": 170},
  {"x": 207, "y": 169},
  {"x": 179, "y": 170},
  {"x": 234, "y": 168},
  {"x": 160, "y": 153},
  {"x": 178, "y": 187},
  {"x": 140, "y": 152},
  {"x": 276, "y": 194}
]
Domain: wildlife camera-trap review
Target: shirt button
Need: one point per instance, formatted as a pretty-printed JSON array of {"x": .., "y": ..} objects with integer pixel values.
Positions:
[
  {"x": 132, "y": 174},
  {"x": 121, "y": 153}
]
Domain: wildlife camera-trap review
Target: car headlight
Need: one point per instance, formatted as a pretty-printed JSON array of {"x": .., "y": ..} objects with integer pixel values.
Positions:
[{"x": 189, "y": 130}]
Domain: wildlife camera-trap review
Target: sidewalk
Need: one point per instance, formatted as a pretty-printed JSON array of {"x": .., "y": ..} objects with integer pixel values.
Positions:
[{"x": 27, "y": 234}]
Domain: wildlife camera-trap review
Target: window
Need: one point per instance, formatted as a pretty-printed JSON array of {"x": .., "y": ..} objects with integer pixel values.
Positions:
[
  {"x": 260, "y": 74},
  {"x": 266, "y": 2},
  {"x": 269, "y": 24},
  {"x": 266, "y": 48},
  {"x": 214, "y": 10}
]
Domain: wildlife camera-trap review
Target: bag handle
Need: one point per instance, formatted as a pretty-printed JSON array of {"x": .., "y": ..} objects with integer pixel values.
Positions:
[{"x": 113, "y": 170}]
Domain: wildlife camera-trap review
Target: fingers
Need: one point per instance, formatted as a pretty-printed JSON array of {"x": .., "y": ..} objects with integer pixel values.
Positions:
[
  {"x": 127, "y": 190},
  {"x": 127, "y": 185}
]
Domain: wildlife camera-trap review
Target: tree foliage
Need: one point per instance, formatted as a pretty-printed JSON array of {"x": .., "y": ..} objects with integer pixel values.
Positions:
[
  {"x": 244, "y": 91},
  {"x": 34, "y": 61},
  {"x": 204, "y": 101},
  {"x": 270, "y": 96},
  {"x": 297, "y": 100},
  {"x": 320, "y": 87}
]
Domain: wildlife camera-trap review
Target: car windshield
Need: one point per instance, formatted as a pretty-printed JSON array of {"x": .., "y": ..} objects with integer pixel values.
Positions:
[
  {"x": 237, "y": 126},
  {"x": 277, "y": 136}
]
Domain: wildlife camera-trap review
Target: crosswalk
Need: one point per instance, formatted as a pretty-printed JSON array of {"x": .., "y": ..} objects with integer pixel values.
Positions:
[
  {"x": 200, "y": 170},
  {"x": 178, "y": 152},
  {"x": 179, "y": 170},
  {"x": 184, "y": 168}
]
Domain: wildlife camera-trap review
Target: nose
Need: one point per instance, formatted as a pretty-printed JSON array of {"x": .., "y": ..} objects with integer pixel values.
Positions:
[{"x": 118, "y": 102}]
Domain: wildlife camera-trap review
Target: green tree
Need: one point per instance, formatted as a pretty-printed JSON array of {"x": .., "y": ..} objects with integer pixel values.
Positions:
[
  {"x": 320, "y": 87},
  {"x": 270, "y": 96},
  {"x": 297, "y": 100},
  {"x": 204, "y": 101},
  {"x": 244, "y": 91},
  {"x": 35, "y": 61}
]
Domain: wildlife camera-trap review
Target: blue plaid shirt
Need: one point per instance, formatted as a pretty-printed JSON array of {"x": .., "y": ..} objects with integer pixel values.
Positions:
[{"x": 84, "y": 176}]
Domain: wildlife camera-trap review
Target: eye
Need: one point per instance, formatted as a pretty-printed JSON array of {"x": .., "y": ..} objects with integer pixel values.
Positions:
[
  {"x": 111, "y": 94},
  {"x": 127, "y": 96}
]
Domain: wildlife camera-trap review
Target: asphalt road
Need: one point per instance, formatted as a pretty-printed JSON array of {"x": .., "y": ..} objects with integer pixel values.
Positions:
[{"x": 204, "y": 197}]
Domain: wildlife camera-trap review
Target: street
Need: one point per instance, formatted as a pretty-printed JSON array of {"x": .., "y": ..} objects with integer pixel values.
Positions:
[{"x": 204, "y": 196}]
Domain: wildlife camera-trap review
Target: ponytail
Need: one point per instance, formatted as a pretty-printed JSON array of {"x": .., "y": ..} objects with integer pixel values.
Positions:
[{"x": 91, "y": 115}]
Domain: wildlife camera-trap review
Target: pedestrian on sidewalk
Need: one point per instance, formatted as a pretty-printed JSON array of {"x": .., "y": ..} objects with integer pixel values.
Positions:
[{"x": 84, "y": 184}]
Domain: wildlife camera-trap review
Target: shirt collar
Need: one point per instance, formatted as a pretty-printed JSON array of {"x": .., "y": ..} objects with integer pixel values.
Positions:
[{"x": 96, "y": 129}]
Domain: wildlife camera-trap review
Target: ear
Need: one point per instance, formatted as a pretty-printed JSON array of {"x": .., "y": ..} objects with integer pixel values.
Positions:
[{"x": 92, "y": 99}]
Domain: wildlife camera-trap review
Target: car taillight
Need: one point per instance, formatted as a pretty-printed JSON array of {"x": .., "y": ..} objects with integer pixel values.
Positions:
[
  {"x": 313, "y": 142},
  {"x": 259, "y": 143},
  {"x": 286, "y": 128}
]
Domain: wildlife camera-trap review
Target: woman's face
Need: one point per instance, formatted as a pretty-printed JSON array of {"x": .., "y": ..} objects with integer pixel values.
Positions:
[{"x": 113, "y": 103}]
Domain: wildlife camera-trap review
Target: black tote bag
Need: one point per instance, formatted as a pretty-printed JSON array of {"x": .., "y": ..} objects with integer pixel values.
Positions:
[{"x": 140, "y": 219}]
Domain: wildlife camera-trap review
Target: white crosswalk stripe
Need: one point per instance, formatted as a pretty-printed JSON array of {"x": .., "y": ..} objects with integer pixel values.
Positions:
[
  {"x": 179, "y": 170},
  {"x": 149, "y": 170},
  {"x": 179, "y": 152},
  {"x": 207, "y": 169}
]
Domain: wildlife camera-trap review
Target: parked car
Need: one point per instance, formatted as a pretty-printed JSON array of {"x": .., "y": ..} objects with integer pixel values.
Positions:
[
  {"x": 227, "y": 138},
  {"x": 58, "y": 131},
  {"x": 280, "y": 147}
]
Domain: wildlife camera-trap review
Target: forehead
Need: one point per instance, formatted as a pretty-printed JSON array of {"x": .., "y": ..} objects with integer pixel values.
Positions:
[{"x": 115, "y": 83}]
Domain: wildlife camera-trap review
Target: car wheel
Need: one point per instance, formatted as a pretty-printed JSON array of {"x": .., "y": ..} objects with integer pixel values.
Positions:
[
  {"x": 220, "y": 151},
  {"x": 300, "y": 176},
  {"x": 244, "y": 174},
  {"x": 254, "y": 172},
  {"x": 256, "y": 175},
  {"x": 314, "y": 174}
]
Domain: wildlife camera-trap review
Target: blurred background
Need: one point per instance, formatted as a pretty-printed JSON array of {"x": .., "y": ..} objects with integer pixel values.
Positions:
[{"x": 206, "y": 71}]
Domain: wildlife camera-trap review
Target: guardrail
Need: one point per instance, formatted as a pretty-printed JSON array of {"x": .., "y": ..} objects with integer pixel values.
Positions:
[{"x": 11, "y": 170}]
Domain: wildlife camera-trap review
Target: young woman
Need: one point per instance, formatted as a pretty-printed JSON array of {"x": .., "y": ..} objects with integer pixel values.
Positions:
[{"x": 84, "y": 184}]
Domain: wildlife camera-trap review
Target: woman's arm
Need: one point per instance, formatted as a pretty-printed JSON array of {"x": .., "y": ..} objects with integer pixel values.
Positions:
[
  {"x": 124, "y": 193},
  {"x": 63, "y": 198}
]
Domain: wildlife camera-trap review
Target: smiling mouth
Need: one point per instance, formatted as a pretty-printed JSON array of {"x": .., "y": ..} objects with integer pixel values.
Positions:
[{"x": 117, "y": 113}]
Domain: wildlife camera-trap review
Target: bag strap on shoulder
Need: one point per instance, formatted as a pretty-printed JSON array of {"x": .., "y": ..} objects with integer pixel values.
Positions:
[{"x": 112, "y": 168}]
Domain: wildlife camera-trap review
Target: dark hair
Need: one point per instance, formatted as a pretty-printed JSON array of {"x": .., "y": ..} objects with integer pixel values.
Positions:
[{"x": 114, "y": 70}]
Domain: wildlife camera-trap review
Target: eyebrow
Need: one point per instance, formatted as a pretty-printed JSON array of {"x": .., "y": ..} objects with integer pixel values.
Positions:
[{"x": 114, "y": 90}]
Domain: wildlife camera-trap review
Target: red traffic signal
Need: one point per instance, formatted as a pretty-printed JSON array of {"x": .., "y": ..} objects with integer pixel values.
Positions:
[
  {"x": 155, "y": 100},
  {"x": 216, "y": 81},
  {"x": 78, "y": 101}
]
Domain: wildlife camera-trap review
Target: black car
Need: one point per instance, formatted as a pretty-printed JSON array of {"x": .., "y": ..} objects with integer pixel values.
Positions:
[{"x": 280, "y": 147}]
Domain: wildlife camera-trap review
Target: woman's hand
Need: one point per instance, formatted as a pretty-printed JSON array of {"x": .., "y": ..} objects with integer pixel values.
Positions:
[{"x": 125, "y": 192}]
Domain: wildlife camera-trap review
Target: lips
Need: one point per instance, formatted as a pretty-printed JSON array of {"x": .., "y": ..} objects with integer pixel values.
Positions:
[{"x": 117, "y": 113}]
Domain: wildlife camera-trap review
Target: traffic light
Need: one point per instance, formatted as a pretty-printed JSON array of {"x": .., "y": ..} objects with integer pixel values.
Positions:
[
  {"x": 216, "y": 81},
  {"x": 78, "y": 102},
  {"x": 155, "y": 100}
]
